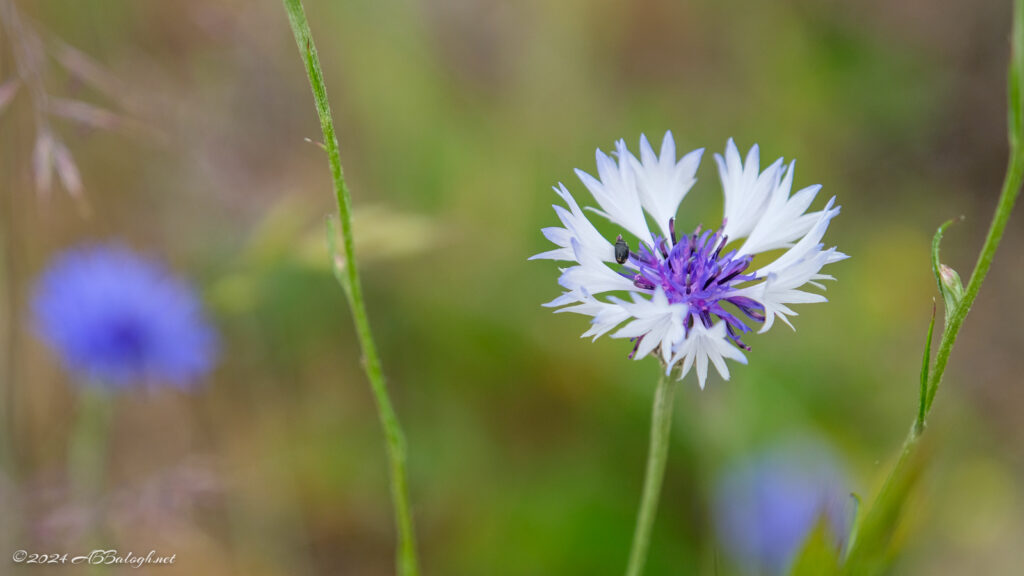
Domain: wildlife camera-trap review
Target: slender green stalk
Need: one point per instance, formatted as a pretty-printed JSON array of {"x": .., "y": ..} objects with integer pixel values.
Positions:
[
  {"x": 406, "y": 552},
  {"x": 926, "y": 362},
  {"x": 882, "y": 512},
  {"x": 1008, "y": 197},
  {"x": 90, "y": 439},
  {"x": 661, "y": 424},
  {"x": 89, "y": 460}
]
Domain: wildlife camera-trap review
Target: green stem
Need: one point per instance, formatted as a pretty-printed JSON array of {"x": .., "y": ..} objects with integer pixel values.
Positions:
[
  {"x": 90, "y": 442},
  {"x": 406, "y": 553},
  {"x": 89, "y": 459},
  {"x": 661, "y": 423},
  {"x": 881, "y": 513},
  {"x": 1008, "y": 197}
]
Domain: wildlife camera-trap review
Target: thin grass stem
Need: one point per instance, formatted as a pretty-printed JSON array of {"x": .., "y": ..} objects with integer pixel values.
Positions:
[{"x": 396, "y": 448}]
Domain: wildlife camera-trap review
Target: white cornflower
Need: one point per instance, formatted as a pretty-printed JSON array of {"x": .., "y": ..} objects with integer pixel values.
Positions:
[{"x": 689, "y": 298}]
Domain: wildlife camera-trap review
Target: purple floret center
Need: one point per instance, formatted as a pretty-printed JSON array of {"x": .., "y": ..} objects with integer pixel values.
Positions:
[{"x": 695, "y": 272}]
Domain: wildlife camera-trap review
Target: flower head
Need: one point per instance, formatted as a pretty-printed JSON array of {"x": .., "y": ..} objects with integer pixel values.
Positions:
[
  {"x": 692, "y": 297},
  {"x": 767, "y": 506},
  {"x": 117, "y": 319}
]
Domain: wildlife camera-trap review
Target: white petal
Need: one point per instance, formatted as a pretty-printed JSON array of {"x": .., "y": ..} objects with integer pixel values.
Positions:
[
  {"x": 591, "y": 276},
  {"x": 704, "y": 344},
  {"x": 702, "y": 369},
  {"x": 719, "y": 363},
  {"x": 662, "y": 182},
  {"x": 746, "y": 189},
  {"x": 578, "y": 227},
  {"x": 687, "y": 364},
  {"x": 807, "y": 246},
  {"x": 783, "y": 287},
  {"x": 615, "y": 190},
  {"x": 783, "y": 220},
  {"x": 657, "y": 321},
  {"x": 556, "y": 254},
  {"x": 563, "y": 299},
  {"x": 606, "y": 315}
]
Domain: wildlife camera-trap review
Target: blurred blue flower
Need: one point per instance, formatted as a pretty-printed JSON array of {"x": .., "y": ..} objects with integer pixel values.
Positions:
[
  {"x": 117, "y": 319},
  {"x": 766, "y": 507}
]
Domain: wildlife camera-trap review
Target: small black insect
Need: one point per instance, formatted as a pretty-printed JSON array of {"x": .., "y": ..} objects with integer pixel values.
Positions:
[{"x": 621, "y": 250}]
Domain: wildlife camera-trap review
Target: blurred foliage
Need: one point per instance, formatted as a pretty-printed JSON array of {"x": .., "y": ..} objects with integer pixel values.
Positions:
[
  {"x": 526, "y": 443},
  {"x": 820, "y": 555}
]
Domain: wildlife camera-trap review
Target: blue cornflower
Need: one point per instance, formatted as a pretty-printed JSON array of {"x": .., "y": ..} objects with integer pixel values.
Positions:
[
  {"x": 767, "y": 506},
  {"x": 117, "y": 319}
]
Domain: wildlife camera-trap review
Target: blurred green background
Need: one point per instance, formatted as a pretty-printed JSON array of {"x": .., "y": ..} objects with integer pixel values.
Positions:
[{"x": 455, "y": 118}]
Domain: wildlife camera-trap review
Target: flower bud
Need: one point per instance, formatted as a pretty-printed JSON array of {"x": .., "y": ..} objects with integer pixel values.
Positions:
[{"x": 952, "y": 287}]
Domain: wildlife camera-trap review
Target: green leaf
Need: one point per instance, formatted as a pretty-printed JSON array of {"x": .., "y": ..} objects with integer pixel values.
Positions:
[
  {"x": 821, "y": 553},
  {"x": 926, "y": 361},
  {"x": 873, "y": 549},
  {"x": 858, "y": 508},
  {"x": 948, "y": 281}
]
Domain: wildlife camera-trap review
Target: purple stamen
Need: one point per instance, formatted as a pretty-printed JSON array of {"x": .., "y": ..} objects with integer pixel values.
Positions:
[
  {"x": 693, "y": 270},
  {"x": 725, "y": 240},
  {"x": 642, "y": 283},
  {"x": 733, "y": 274},
  {"x": 636, "y": 346},
  {"x": 735, "y": 338},
  {"x": 753, "y": 309}
]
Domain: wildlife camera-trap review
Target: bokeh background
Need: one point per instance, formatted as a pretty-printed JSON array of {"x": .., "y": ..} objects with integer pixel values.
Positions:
[{"x": 455, "y": 118}]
